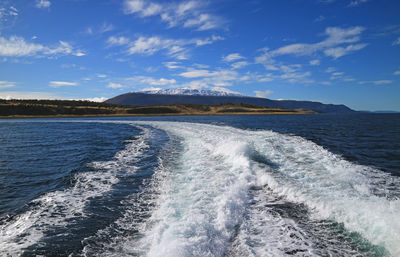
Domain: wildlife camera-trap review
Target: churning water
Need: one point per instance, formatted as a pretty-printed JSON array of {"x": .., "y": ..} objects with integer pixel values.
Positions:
[{"x": 319, "y": 185}]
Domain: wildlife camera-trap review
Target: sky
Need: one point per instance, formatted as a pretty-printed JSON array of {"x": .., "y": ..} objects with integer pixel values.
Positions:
[{"x": 332, "y": 51}]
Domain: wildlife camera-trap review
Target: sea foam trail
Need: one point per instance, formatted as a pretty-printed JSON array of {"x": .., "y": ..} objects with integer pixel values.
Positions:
[
  {"x": 60, "y": 208},
  {"x": 205, "y": 198}
]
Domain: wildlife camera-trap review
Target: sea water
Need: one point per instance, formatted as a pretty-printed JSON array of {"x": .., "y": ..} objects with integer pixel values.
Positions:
[{"x": 307, "y": 185}]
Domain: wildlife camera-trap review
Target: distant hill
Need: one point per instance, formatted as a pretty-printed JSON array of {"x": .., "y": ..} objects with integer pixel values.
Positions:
[
  {"x": 66, "y": 108},
  {"x": 145, "y": 99}
]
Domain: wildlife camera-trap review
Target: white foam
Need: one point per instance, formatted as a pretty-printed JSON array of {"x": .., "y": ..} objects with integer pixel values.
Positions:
[
  {"x": 203, "y": 199},
  {"x": 60, "y": 208},
  {"x": 206, "y": 196}
]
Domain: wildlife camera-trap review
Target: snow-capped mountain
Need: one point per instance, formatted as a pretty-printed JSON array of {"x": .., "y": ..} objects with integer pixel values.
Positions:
[{"x": 188, "y": 91}]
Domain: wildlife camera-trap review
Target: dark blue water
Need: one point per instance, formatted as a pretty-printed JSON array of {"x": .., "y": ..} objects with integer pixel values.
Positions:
[{"x": 73, "y": 187}]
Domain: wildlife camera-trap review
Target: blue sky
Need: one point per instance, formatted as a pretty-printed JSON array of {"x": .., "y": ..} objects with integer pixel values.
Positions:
[{"x": 333, "y": 51}]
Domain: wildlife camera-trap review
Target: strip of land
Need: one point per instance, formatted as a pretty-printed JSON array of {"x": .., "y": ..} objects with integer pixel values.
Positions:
[{"x": 67, "y": 108}]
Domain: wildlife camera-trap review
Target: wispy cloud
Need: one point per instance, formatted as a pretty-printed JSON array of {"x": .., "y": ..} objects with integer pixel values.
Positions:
[
  {"x": 396, "y": 42},
  {"x": 56, "y": 84},
  {"x": 151, "y": 45},
  {"x": 232, "y": 57},
  {"x": 172, "y": 65},
  {"x": 338, "y": 42},
  {"x": 263, "y": 94},
  {"x": 115, "y": 86},
  {"x": 396, "y": 72},
  {"x": 207, "y": 78},
  {"x": 95, "y": 99},
  {"x": 320, "y": 18},
  {"x": 118, "y": 41},
  {"x": 338, "y": 52},
  {"x": 6, "y": 12},
  {"x": 335, "y": 36},
  {"x": 43, "y": 4},
  {"x": 355, "y": 3},
  {"x": 16, "y": 46},
  {"x": 196, "y": 74},
  {"x": 101, "y": 76},
  {"x": 8, "y": 15},
  {"x": 150, "y": 81},
  {"x": 27, "y": 95},
  {"x": 376, "y": 82},
  {"x": 315, "y": 62},
  {"x": 6, "y": 84},
  {"x": 208, "y": 40},
  {"x": 187, "y": 14},
  {"x": 239, "y": 65},
  {"x": 103, "y": 28},
  {"x": 176, "y": 48}
]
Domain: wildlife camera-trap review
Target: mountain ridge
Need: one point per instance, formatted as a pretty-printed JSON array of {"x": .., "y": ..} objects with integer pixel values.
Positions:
[{"x": 146, "y": 99}]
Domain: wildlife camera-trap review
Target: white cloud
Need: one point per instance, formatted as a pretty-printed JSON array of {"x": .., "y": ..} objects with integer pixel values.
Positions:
[
  {"x": 297, "y": 77},
  {"x": 232, "y": 57},
  {"x": 206, "y": 78},
  {"x": 262, "y": 94},
  {"x": 6, "y": 84},
  {"x": 326, "y": 83},
  {"x": 354, "y": 3},
  {"x": 103, "y": 28},
  {"x": 265, "y": 78},
  {"x": 147, "y": 46},
  {"x": 27, "y": 95},
  {"x": 320, "y": 18},
  {"x": 209, "y": 40},
  {"x": 117, "y": 41},
  {"x": 188, "y": 14},
  {"x": 56, "y": 84},
  {"x": 315, "y": 62},
  {"x": 8, "y": 15},
  {"x": 175, "y": 48},
  {"x": 79, "y": 54},
  {"x": 95, "y": 99},
  {"x": 396, "y": 42},
  {"x": 331, "y": 46},
  {"x": 376, "y": 82},
  {"x": 172, "y": 65},
  {"x": 330, "y": 69},
  {"x": 102, "y": 76},
  {"x": 202, "y": 22},
  {"x": 396, "y": 72},
  {"x": 41, "y": 4},
  {"x": 16, "y": 46},
  {"x": 196, "y": 74},
  {"x": 158, "y": 82},
  {"x": 238, "y": 65},
  {"x": 149, "y": 81},
  {"x": 114, "y": 86},
  {"x": 338, "y": 52},
  {"x": 336, "y": 75}
]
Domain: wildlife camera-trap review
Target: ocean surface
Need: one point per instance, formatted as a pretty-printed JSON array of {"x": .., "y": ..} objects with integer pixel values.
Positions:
[{"x": 307, "y": 185}]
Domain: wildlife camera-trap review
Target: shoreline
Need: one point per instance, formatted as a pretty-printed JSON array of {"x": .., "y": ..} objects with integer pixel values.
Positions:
[{"x": 149, "y": 115}]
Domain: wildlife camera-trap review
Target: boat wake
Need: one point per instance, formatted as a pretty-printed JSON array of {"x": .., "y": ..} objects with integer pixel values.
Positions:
[{"x": 223, "y": 191}]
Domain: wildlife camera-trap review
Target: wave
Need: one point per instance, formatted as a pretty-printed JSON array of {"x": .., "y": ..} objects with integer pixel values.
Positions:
[
  {"x": 223, "y": 191},
  {"x": 203, "y": 203},
  {"x": 61, "y": 208}
]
